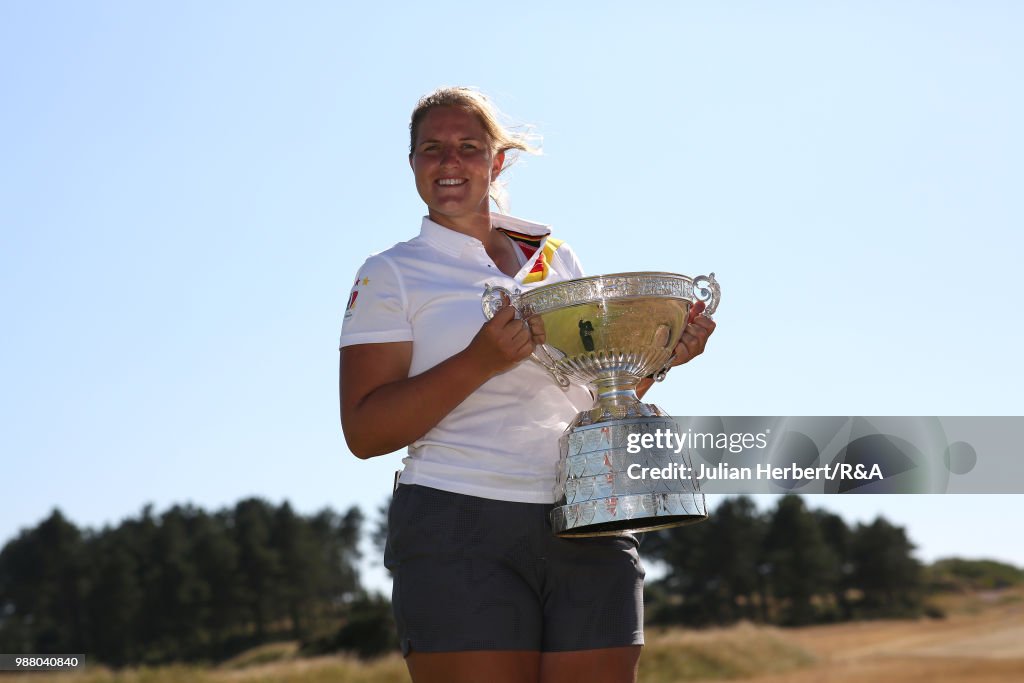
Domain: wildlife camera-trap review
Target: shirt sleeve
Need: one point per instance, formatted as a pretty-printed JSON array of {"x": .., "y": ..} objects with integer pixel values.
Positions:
[{"x": 376, "y": 311}]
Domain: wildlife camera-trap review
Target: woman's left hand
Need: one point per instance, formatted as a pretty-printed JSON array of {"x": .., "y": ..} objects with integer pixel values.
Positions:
[{"x": 695, "y": 336}]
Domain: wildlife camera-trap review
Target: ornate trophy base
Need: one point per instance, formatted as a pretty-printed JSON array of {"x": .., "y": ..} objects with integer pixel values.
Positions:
[{"x": 603, "y": 490}]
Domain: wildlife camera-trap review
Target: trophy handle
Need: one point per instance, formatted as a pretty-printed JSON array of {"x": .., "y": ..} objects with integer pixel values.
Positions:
[
  {"x": 706, "y": 289},
  {"x": 493, "y": 301},
  {"x": 562, "y": 380}
]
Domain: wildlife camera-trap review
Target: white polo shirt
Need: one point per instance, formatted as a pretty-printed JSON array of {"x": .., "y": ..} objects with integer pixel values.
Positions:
[{"x": 502, "y": 441}]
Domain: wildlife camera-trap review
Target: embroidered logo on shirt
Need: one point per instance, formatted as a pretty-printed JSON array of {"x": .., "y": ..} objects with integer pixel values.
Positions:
[
  {"x": 528, "y": 245},
  {"x": 355, "y": 295}
]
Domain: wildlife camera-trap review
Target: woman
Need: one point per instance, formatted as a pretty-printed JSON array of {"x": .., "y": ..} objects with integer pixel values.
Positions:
[{"x": 482, "y": 589}]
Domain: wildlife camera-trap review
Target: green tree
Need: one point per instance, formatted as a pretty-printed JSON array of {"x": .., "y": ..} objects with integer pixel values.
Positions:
[
  {"x": 737, "y": 531},
  {"x": 800, "y": 565},
  {"x": 837, "y": 537},
  {"x": 688, "y": 592},
  {"x": 258, "y": 562},
  {"x": 338, "y": 540},
  {"x": 115, "y": 600},
  {"x": 183, "y": 591},
  {"x": 302, "y": 572},
  {"x": 42, "y": 588},
  {"x": 216, "y": 559},
  {"x": 885, "y": 571}
]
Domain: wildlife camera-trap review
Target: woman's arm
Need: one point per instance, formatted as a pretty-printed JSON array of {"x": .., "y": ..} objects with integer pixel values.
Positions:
[{"x": 383, "y": 409}]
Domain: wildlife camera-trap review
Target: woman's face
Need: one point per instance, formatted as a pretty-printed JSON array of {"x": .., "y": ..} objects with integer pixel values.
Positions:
[{"x": 454, "y": 166}]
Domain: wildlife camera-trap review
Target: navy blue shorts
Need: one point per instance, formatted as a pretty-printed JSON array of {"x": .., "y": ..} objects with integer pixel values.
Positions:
[{"x": 479, "y": 574}]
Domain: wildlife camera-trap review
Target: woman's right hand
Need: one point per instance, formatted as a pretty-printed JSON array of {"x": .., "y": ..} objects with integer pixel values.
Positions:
[{"x": 503, "y": 341}]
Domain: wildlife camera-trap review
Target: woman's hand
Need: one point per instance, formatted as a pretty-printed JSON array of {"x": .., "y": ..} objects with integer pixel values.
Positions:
[
  {"x": 695, "y": 336},
  {"x": 691, "y": 344},
  {"x": 503, "y": 342}
]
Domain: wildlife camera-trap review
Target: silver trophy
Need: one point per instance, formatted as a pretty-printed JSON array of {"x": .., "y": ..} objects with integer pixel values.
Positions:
[{"x": 608, "y": 332}]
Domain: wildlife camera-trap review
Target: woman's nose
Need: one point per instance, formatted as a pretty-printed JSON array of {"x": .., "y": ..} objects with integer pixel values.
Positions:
[{"x": 449, "y": 155}]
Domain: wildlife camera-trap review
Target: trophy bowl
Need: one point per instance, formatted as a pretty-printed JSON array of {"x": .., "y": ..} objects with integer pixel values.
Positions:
[{"x": 608, "y": 332}]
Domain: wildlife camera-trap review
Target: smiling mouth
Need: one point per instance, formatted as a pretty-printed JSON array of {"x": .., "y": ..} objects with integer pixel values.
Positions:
[{"x": 449, "y": 182}]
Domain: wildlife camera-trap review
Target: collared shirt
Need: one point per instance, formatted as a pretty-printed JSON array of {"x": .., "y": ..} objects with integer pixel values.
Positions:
[{"x": 502, "y": 441}]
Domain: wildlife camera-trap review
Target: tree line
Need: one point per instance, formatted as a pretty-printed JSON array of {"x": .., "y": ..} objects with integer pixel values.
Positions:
[
  {"x": 182, "y": 586},
  {"x": 189, "y": 585},
  {"x": 787, "y": 566}
]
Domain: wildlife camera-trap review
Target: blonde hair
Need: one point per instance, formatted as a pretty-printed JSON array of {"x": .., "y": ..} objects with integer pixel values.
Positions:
[{"x": 501, "y": 135}]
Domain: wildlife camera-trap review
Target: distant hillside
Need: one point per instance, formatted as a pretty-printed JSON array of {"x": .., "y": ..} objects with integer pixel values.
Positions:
[{"x": 958, "y": 574}]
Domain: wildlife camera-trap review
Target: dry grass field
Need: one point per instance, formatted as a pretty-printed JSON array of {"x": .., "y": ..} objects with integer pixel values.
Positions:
[{"x": 981, "y": 641}]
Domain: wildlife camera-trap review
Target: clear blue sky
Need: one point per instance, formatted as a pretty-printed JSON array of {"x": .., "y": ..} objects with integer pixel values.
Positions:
[{"x": 187, "y": 189}]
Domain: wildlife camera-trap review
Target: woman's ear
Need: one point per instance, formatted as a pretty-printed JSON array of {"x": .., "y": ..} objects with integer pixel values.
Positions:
[{"x": 497, "y": 164}]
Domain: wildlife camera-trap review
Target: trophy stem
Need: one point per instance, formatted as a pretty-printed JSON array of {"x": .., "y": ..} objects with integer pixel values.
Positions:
[
  {"x": 613, "y": 392},
  {"x": 616, "y": 400}
]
